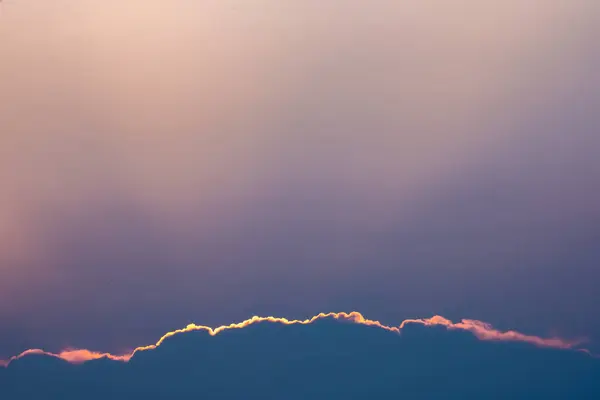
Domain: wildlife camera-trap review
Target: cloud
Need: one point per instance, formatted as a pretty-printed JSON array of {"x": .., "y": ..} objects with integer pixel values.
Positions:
[
  {"x": 481, "y": 330},
  {"x": 317, "y": 358}
]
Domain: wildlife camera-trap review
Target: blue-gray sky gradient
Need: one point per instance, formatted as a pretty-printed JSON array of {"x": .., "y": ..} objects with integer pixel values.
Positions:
[{"x": 167, "y": 162}]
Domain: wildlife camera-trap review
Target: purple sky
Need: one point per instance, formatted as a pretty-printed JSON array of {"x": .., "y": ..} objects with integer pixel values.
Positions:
[{"x": 163, "y": 162}]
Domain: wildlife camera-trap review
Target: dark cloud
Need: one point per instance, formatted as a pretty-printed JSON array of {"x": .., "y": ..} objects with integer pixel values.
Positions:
[{"x": 323, "y": 360}]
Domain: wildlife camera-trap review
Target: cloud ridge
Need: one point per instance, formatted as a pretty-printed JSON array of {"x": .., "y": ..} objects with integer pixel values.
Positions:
[{"x": 481, "y": 330}]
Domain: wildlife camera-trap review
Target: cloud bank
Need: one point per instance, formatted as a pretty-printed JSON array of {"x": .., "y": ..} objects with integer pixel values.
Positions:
[
  {"x": 317, "y": 358},
  {"x": 481, "y": 330}
]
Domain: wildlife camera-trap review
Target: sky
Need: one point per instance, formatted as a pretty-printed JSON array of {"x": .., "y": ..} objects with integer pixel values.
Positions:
[{"x": 163, "y": 163}]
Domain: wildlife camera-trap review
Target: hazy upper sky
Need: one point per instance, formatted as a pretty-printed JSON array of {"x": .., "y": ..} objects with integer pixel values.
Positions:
[{"x": 163, "y": 162}]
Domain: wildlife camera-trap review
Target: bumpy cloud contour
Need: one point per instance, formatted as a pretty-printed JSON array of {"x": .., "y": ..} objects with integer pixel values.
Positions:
[{"x": 481, "y": 330}]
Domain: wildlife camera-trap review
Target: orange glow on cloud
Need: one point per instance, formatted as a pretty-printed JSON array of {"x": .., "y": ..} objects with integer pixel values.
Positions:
[{"x": 481, "y": 330}]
